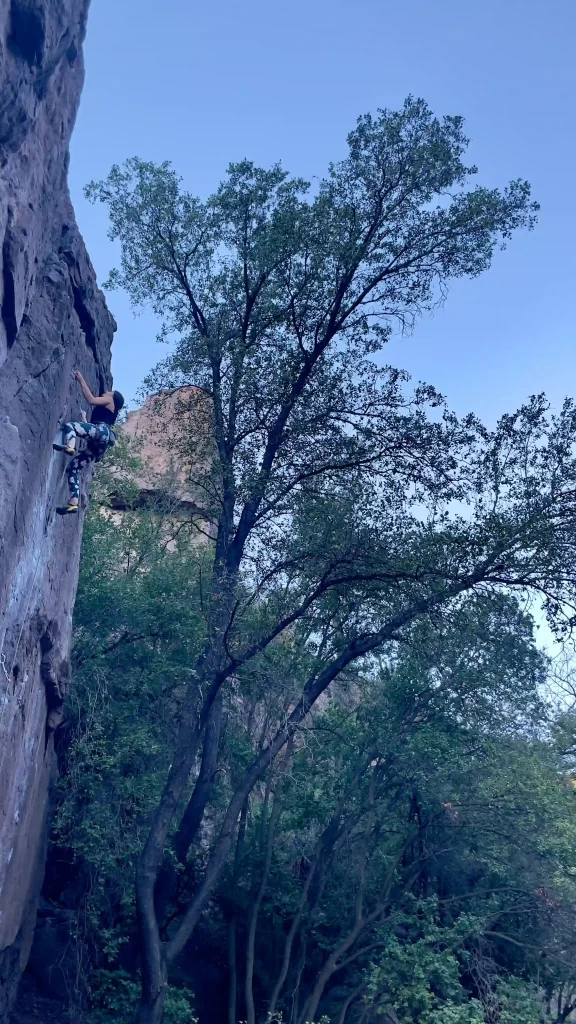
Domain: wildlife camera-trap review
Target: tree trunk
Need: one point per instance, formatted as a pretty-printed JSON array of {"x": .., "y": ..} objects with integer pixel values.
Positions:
[
  {"x": 232, "y": 972},
  {"x": 324, "y": 848},
  {"x": 309, "y": 1012},
  {"x": 152, "y": 950},
  {"x": 290, "y": 941},
  {"x": 152, "y": 1012},
  {"x": 194, "y": 813},
  {"x": 335, "y": 963},
  {"x": 296, "y": 990},
  {"x": 232, "y": 960},
  {"x": 154, "y": 985},
  {"x": 193, "y": 721},
  {"x": 217, "y": 859},
  {"x": 348, "y": 1002},
  {"x": 253, "y": 920}
]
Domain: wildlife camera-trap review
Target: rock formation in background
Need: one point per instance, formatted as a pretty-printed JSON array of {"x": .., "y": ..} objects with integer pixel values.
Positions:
[
  {"x": 157, "y": 428},
  {"x": 53, "y": 319}
]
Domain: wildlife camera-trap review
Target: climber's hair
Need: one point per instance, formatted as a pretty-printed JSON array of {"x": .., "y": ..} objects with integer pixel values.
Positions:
[{"x": 118, "y": 400}]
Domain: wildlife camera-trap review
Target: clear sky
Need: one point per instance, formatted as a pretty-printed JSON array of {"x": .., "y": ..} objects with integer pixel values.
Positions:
[{"x": 203, "y": 83}]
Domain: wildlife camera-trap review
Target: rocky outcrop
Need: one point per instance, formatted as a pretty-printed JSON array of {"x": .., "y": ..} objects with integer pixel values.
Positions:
[
  {"x": 53, "y": 319},
  {"x": 157, "y": 429},
  {"x": 173, "y": 439}
]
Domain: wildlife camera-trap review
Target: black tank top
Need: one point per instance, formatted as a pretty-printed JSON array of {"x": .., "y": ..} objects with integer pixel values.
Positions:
[{"x": 100, "y": 414}]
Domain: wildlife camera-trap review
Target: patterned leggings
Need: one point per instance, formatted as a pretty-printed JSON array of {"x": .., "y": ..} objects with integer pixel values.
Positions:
[{"x": 99, "y": 437}]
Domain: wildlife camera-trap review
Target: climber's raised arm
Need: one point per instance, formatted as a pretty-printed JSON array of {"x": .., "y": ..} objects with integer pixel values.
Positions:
[
  {"x": 111, "y": 401},
  {"x": 105, "y": 399}
]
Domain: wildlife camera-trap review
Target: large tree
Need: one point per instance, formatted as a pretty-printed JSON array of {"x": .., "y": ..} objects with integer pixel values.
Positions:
[{"x": 344, "y": 508}]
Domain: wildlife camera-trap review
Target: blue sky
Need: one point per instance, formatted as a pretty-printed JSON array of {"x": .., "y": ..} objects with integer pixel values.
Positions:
[{"x": 201, "y": 84}]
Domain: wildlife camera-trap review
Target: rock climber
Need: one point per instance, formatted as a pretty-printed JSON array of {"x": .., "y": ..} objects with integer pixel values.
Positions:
[{"x": 99, "y": 437}]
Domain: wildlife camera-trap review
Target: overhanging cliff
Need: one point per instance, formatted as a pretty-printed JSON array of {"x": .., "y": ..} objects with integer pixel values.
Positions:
[{"x": 53, "y": 319}]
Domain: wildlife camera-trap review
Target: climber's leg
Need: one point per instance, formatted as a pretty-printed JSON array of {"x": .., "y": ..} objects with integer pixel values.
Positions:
[
  {"x": 74, "y": 467},
  {"x": 73, "y": 473},
  {"x": 71, "y": 431},
  {"x": 100, "y": 438}
]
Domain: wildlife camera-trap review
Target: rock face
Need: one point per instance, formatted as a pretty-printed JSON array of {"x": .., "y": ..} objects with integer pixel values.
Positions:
[{"x": 53, "y": 319}]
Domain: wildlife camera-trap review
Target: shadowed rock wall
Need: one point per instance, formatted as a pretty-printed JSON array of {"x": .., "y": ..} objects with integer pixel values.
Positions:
[{"x": 53, "y": 319}]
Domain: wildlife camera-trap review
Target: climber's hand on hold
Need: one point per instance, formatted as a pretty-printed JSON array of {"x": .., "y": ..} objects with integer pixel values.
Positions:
[
  {"x": 83, "y": 416},
  {"x": 85, "y": 389}
]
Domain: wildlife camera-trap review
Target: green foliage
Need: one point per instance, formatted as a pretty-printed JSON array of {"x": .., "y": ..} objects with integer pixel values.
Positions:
[
  {"x": 404, "y": 167},
  {"x": 444, "y": 744},
  {"x": 116, "y": 995},
  {"x": 422, "y": 981},
  {"x": 517, "y": 1002}
]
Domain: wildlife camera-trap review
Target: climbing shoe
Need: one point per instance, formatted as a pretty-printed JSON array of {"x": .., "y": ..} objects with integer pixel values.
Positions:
[
  {"x": 67, "y": 510},
  {"x": 64, "y": 448}
]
